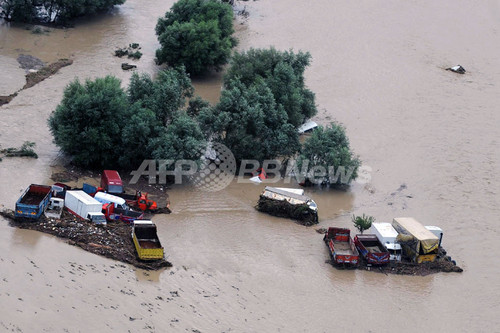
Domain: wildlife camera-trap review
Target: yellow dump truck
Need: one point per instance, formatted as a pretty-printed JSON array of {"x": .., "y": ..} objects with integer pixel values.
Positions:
[
  {"x": 418, "y": 243},
  {"x": 146, "y": 240}
]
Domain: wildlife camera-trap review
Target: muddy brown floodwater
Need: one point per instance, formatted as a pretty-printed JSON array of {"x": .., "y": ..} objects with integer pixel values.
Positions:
[{"x": 378, "y": 68}]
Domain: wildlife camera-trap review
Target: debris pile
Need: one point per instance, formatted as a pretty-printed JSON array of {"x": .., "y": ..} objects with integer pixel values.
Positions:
[
  {"x": 113, "y": 241},
  {"x": 132, "y": 51},
  {"x": 408, "y": 268},
  {"x": 457, "y": 69}
]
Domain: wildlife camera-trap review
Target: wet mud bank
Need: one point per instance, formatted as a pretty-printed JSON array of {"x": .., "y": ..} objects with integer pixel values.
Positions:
[
  {"x": 441, "y": 265},
  {"x": 33, "y": 78},
  {"x": 112, "y": 241},
  {"x": 407, "y": 268}
]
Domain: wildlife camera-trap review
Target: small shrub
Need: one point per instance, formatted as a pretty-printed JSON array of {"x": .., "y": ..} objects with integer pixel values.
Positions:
[
  {"x": 362, "y": 223},
  {"x": 121, "y": 52},
  {"x": 135, "y": 55},
  {"x": 25, "y": 150}
]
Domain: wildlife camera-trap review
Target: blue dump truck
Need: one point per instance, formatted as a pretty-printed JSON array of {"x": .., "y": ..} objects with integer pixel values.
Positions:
[{"x": 33, "y": 201}]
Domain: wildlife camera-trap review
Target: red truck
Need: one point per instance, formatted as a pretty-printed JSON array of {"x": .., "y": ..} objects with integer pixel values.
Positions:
[
  {"x": 113, "y": 213},
  {"x": 341, "y": 247},
  {"x": 372, "y": 249},
  {"x": 111, "y": 183}
]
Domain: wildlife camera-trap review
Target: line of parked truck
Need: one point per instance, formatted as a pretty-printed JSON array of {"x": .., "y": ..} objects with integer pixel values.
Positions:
[
  {"x": 403, "y": 239},
  {"x": 97, "y": 205}
]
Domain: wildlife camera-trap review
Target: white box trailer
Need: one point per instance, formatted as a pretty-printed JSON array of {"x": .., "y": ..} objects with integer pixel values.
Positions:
[
  {"x": 84, "y": 206},
  {"x": 436, "y": 231},
  {"x": 387, "y": 235}
]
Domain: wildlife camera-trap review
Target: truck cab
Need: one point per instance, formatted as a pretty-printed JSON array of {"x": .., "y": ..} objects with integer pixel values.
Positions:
[
  {"x": 55, "y": 208},
  {"x": 111, "y": 181},
  {"x": 97, "y": 218}
]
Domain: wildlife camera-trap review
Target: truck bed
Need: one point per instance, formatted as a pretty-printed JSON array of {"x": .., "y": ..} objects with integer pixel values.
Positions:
[
  {"x": 371, "y": 249},
  {"x": 129, "y": 213},
  {"x": 149, "y": 243},
  {"x": 342, "y": 248},
  {"x": 374, "y": 249},
  {"x": 32, "y": 198}
]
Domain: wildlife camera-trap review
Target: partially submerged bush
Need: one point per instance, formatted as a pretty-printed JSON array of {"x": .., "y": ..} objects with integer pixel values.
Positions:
[{"x": 25, "y": 150}]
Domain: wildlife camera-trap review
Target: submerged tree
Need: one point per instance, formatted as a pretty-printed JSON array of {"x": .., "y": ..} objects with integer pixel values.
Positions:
[
  {"x": 165, "y": 95},
  {"x": 88, "y": 123},
  {"x": 196, "y": 34},
  {"x": 249, "y": 122},
  {"x": 283, "y": 73},
  {"x": 101, "y": 126},
  {"x": 51, "y": 11},
  {"x": 326, "y": 157}
]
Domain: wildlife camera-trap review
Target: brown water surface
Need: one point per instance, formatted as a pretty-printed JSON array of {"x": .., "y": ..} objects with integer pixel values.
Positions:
[{"x": 378, "y": 68}]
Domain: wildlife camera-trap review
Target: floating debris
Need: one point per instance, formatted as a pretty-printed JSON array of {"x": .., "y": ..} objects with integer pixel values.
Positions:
[
  {"x": 127, "y": 66},
  {"x": 456, "y": 69}
]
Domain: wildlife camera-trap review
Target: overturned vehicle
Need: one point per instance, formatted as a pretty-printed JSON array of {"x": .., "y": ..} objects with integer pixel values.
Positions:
[{"x": 290, "y": 203}]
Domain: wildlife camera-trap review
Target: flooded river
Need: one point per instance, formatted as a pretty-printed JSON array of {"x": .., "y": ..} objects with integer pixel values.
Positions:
[{"x": 427, "y": 137}]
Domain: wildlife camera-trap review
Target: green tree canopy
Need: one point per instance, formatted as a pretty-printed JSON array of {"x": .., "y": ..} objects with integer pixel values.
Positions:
[
  {"x": 101, "y": 126},
  {"x": 51, "y": 11},
  {"x": 181, "y": 140},
  {"x": 362, "y": 223},
  {"x": 165, "y": 95},
  {"x": 250, "y": 123},
  {"x": 283, "y": 73},
  {"x": 196, "y": 34},
  {"x": 326, "y": 156},
  {"x": 87, "y": 124}
]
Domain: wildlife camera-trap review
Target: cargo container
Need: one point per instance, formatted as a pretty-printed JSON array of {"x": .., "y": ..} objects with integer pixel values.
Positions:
[
  {"x": 84, "y": 206},
  {"x": 418, "y": 243},
  {"x": 146, "y": 241},
  {"x": 33, "y": 201}
]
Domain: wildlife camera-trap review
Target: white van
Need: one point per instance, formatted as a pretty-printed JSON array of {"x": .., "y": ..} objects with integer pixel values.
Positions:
[
  {"x": 109, "y": 198},
  {"x": 386, "y": 234}
]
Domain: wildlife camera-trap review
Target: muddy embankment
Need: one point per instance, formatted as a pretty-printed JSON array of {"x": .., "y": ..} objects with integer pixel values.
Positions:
[
  {"x": 37, "y": 72},
  {"x": 112, "y": 240}
]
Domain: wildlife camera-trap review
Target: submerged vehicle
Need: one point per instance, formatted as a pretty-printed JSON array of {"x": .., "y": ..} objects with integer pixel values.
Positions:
[
  {"x": 341, "y": 247},
  {"x": 146, "y": 241},
  {"x": 55, "y": 208},
  {"x": 33, "y": 201},
  {"x": 372, "y": 250},
  {"x": 284, "y": 202},
  {"x": 387, "y": 235},
  {"x": 84, "y": 206},
  {"x": 418, "y": 243}
]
